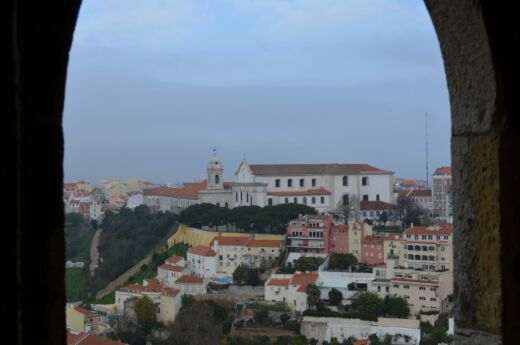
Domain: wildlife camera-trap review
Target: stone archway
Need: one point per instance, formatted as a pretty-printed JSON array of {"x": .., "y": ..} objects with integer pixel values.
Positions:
[{"x": 476, "y": 39}]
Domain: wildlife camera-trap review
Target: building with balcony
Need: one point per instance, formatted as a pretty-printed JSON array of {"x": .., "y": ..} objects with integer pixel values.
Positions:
[
  {"x": 424, "y": 276},
  {"x": 441, "y": 194}
]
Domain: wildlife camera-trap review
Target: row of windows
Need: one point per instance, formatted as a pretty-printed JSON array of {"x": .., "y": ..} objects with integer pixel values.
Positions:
[
  {"x": 277, "y": 182},
  {"x": 304, "y": 200},
  {"x": 423, "y": 257},
  {"x": 427, "y": 237},
  {"x": 423, "y": 248}
]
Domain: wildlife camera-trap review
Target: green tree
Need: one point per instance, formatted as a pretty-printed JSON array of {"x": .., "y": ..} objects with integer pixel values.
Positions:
[
  {"x": 313, "y": 295},
  {"x": 146, "y": 314},
  {"x": 74, "y": 219},
  {"x": 335, "y": 297},
  {"x": 395, "y": 306},
  {"x": 342, "y": 261},
  {"x": 368, "y": 306},
  {"x": 261, "y": 314}
]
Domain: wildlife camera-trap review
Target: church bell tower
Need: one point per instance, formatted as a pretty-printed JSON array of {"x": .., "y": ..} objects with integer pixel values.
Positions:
[{"x": 215, "y": 173}]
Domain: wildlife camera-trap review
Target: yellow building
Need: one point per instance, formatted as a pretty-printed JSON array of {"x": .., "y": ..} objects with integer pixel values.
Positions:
[
  {"x": 81, "y": 320},
  {"x": 356, "y": 232}
]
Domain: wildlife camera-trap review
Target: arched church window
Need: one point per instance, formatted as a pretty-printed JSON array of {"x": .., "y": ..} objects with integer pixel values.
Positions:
[{"x": 217, "y": 179}]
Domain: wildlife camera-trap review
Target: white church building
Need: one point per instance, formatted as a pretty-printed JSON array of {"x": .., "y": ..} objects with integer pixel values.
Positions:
[{"x": 321, "y": 186}]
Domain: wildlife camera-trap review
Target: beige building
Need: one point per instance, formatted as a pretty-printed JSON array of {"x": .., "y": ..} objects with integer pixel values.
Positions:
[
  {"x": 233, "y": 251},
  {"x": 441, "y": 193},
  {"x": 392, "y": 246},
  {"x": 81, "y": 320},
  {"x": 424, "y": 276}
]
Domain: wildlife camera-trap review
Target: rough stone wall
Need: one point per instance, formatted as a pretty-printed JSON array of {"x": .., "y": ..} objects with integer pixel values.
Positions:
[
  {"x": 474, "y": 40},
  {"x": 36, "y": 38}
]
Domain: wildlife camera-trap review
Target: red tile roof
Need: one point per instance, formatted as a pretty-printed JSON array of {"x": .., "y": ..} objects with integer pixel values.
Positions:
[
  {"x": 171, "y": 268},
  {"x": 231, "y": 240},
  {"x": 278, "y": 282},
  {"x": 443, "y": 171},
  {"x": 152, "y": 281},
  {"x": 265, "y": 243},
  {"x": 317, "y": 191},
  {"x": 189, "y": 280},
  {"x": 83, "y": 338},
  {"x": 174, "y": 259},
  {"x": 304, "y": 278},
  {"x": 376, "y": 205},
  {"x": 84, "y": 311},
  {"x": 189, "y": 190},
  {"x": 312, "y": 169},
  {"x": 202, "y": 251},
  {"x": 170, "y": 292},
  {"x": 443, "y": 229}
]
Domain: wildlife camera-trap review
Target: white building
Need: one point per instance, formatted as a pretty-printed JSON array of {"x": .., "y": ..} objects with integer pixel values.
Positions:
[
  {"x": 326, "y": 328},
  {"x": 202, "y": 261},
  {"x": 441, "y": 194},
  {"x": 168, "y": 274},
  {"x": 234, "y": 251},
  {"x": 289, "y": 289},
  {"x": 321, "y": 186},
  {"x": 191, "y": 285}
]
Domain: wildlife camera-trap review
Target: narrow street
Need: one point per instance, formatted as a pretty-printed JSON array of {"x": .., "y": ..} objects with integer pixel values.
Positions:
[{"x": 94, "y": 252}]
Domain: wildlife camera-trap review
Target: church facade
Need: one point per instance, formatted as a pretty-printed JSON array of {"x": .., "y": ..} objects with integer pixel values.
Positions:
[{"x": 322, "y": 186}]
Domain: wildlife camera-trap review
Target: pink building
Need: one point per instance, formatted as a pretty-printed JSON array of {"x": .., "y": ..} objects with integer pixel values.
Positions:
[
  {"x": 310, "y": 234},
  {"x": 372, "y": 250},
  {"x": 339, "y": 238}
]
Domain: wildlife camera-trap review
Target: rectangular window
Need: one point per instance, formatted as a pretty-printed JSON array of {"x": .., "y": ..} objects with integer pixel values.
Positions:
[
  {"x": 302, "y": 182},
  {"x": 313, "y": 200},
  {"x": 286, "y": 200},
  {"x": 289, "y": 182},
  {"x": 364, "y": 181},
  {"x": 304, "y": 200},
  {"x": 365, "y": 197},
  {"x": 270, "y": 201},
  {"x": 314, "y": 182},
  {"x": 377, "y": 197},
  {"x": 295, "y": 200},
  {"x": 322, "y": 199},
  {"x": 277, "y": 182}
]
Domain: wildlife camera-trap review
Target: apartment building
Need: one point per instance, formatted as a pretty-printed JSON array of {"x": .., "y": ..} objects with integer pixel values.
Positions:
[
  {"x": 424, "y": 276},
  {"x": 309, "y": 234},
  {"x": 289, "y": 289},
  {"x": 202, "y": 261},
  {"x": 441, "y": 193}
]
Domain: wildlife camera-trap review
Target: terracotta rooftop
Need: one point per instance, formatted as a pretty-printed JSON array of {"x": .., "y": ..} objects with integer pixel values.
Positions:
[
  {"x": 278, "y": 282},
  {"x": 443, "y": 171},
  {"x": 443, "y": 229},
  {"x": 265, "y": 243},
  {"x": 304, "y": 278},
  {"x": 317, "y": 191},
  {"x": 362, "y": 342},
  {"x": 202, "y": 251},
  {"x": 231, "y": 240},
  {"x": 170, "y": 292},
  {"x": 312, "y": 169},
  {"x": 171, "y": 268},
  {"x": 189, "y": 280},
  {"x": 82, "y": 338},
  {"x": 376, "y": 205},
  {"x": 84, "y": 311},
  {"x": 174, "y": 259}
]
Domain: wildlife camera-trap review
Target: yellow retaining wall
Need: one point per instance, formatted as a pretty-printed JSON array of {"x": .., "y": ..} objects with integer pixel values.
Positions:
[{"x": 197, "y": 237}]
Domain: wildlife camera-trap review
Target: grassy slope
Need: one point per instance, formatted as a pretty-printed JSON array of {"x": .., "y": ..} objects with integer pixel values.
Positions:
[{"x": 75, "y": 283}]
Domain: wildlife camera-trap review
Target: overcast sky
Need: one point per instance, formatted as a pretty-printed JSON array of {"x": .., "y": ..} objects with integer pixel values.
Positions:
[{"x": 154, "y": 84}]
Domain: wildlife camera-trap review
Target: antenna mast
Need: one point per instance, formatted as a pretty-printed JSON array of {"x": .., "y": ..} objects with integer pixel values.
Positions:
[{"x": 427, "y": 170}]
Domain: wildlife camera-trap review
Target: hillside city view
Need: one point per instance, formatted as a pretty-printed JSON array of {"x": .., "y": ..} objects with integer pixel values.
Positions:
[{"x": 257, "y": 172}]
